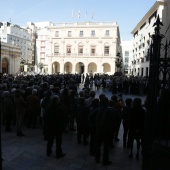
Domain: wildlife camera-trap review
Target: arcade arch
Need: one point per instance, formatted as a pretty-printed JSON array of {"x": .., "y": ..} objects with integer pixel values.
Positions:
[
  {"x": 80, "y": 68},
  {"x": 56, "y": 67},
  {"x": 106, "y": 68},
  {"x": 92, "y": 68},
  {"x": 68, "y": 68},
  {"x": 5, "y": 64}
]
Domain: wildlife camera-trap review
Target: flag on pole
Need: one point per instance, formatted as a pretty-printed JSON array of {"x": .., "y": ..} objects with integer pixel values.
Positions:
[
  {"x": 79, "y": 14},
  {"x": 92, "y": 14},
  {"x": 72, "y": 15},
  {"x": 86, "y": 15}
]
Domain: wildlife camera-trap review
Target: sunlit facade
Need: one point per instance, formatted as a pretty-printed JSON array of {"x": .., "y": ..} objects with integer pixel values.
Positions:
[
  {"x": 88, "y": 47},
  {"x": 142, "y": 38},
  {"x": 10, "y": 59},
  {"x": 127, "y": 57},
  {"x": 18, "y": 36}
]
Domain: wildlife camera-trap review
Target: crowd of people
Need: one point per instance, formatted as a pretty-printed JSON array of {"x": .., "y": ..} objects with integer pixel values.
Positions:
[{"x": 55, "y": 103}]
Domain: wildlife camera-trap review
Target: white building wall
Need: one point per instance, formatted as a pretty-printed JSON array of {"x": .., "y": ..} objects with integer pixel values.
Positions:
[
  {"x": 127, "y": 48},
  {"x": 10, "y": 58},
  {"x": 87, "y": 40},
  {"x": 142, "y": 37},
  {"x": 43, "y": 45},
  {"x": 17, "y": 36},
  {"x": 166, "y": 22}
]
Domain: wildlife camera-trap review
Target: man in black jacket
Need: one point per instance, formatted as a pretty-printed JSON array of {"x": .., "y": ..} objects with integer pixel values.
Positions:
[
  {"x": 55, "y": 123},
  {"x": 104, "y": 130}
]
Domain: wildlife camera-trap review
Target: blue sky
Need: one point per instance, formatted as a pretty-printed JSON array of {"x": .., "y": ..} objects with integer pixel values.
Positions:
[{"x": 127, "y": 13}]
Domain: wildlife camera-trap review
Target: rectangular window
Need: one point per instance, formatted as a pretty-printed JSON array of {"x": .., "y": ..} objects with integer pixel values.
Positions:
[
  {"x": 107, "y": 32},
  {"x": 126, "y": 66},
  {"x": 138, "y": 71},
  {"x": 126, "y": 53},
  {"x": 42, "y": 55},
  {"x": 69, "y": 33},
  {"x": 80, "y": 50},
  {"x": 81, "y": 33},
  {"x": 42, "y": 49},
  {"x": 42, "y": 43},
  {"x": 56, "y": 50},
  {"x": 57, "y": 34},
  {"x": 106, "y": 50},
  {"x": 147, "y": 71},
  {"x": 93, "y": 51},
  {"x": 126, "y": 59},
  {"x": 68, "y": 50},
  {"x": 93, "y": 33},
  {"x": 142, "y": 72}
]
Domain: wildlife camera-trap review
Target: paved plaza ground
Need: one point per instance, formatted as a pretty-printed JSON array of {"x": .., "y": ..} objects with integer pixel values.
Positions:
[{"x": 29, "y": 152}]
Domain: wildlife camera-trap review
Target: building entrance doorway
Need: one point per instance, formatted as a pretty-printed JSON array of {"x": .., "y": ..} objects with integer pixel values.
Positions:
[
  {"x": 4, "y": 66},
  {"x": 80, "y": 68}
]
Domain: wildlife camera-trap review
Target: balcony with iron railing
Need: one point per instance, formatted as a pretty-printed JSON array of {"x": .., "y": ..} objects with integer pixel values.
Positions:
[
  {"x": 147, "y": 58},
  {"x": 82, "y": 54},
  {"x": 142, "y": 59}
]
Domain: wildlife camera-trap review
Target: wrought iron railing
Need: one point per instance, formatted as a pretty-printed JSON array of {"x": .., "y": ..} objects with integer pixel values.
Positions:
[{"x": 156, "y": 146}]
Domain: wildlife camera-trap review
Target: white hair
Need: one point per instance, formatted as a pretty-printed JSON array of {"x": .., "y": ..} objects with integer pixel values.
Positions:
[{"x": 34, "y": 91}]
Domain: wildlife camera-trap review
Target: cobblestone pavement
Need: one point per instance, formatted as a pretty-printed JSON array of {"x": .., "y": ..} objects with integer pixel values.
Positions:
[{"x": 29, "y": 152}]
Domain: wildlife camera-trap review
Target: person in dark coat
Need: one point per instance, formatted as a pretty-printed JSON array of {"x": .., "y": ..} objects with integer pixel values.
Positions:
[
  {"x": 104, "y": 126},
  {"x": 118, "y": 105},
  {"x": 8, "y": 110},
  {"x": 55, "y": 124},
  {"x": 126, "y": 115},
  {"x": 92, "y": 125},
  {"x": 73, "y": 107},
  {"x": 115, "y": 117},
  {"x": 82, "y": 121},
  {"x": 65, "y": 102},
  {"x": 44, "y": 104},
  {"x": 136, "y": 126},
  {"x": 33, "y": 107},
  {"x": 20, "y": 106}
]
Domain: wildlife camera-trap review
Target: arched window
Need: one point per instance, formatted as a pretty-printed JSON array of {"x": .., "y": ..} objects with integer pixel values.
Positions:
[{"x": 57, "y": 34}]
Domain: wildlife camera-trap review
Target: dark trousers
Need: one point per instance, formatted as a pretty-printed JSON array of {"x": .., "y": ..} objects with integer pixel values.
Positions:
[
  {"x": 82, "y": 131},
  {"x": 31, "y": 118},
  {"x": 8, "y": 119},
  {"x": 72, "y": 118},
  {"x": 50, "y": 141},
  {"x": 117, "y": 129},
  {"x": 125, "y": 134},
  {"x": 105, "y": 140},
  {"x": 92, "y": 142}
]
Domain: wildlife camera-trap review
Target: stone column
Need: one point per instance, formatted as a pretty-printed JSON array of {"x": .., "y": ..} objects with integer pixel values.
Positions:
[{"x": 62, "y": 66}]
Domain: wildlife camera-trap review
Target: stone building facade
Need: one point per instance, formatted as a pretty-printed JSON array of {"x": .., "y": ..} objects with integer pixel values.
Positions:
[
  {"x": 10, "y": 59},
  {"x": 88, "y": 47},
  {"x": 18, "y": 36}
]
